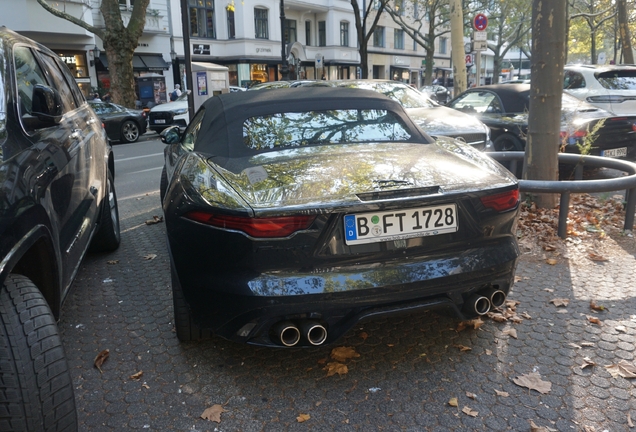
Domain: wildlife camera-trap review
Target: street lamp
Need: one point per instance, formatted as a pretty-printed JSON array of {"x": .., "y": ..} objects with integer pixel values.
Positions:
[
  {"x": 96, "y": 52},
  {"x": 284, "y": 70}
]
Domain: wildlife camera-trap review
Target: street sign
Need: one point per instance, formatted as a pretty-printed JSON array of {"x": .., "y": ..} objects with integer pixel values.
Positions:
[
  {"x": 480, "y": 36},
  {"x": 480, "y": 22},
  {"x": 480, "y": 45}
]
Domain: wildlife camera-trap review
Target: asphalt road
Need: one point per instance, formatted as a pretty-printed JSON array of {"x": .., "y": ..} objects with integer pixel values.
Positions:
[{"x": 404, "y": 375}]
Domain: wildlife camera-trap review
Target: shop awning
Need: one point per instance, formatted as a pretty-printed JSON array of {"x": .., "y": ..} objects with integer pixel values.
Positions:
[{"x": 143, "y": 62}]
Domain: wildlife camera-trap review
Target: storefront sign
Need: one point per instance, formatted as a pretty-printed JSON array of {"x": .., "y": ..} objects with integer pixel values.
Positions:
[
  {"x": 263, "y": 50},
  {"x": 201, "y": 49},
  {"x": 398, "y": 60}
]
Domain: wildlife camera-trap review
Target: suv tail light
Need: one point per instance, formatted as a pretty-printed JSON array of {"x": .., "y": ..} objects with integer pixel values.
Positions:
[
  {"x": 272, "y": 227},
  {"x": 501, "y": 202}
]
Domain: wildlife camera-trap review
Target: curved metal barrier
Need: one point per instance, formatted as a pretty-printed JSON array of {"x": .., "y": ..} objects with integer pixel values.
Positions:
[{"x": 567, "y": 187}]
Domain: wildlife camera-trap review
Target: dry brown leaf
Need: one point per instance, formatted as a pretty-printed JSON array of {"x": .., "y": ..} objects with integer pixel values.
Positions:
[
  {"x": 488, "y": 352},
  {"x": 501, "y": 393},
  {"x": 150, "y": 257},
  {"x": 621, "y": 329},
  {"x": 533, "y": 381},
  {"x": 629, "y": 420},
  {"x": 587, "y": 362},
  {"x": 588, "y": 344},
  {"x": 101, "y": 358},
  {"x": 471, "y": 395},
  {"x": 517, "y": 278},
  {"x": 549, "y": 247},
  {"x": 560, "y": 302},
  {"x": 136, "y": 376},
  {"x": 463, "y": 348},
  {"x": 333, "y": 368},
  {"x": 469, "y": 412},
  {"x": 550, "y": 290},
  {"x": 303, "y": 418},
  {"x": 535, "y": 428},
  {"x": 112, "y": 262},
  {"x": 363, "y": 335},
  {"x": 341, "y": 354},
  {"x": 213, "y": 413},
  {"x": 624, "y": 369},
  {"x": 551, "y": 261},
  {"x": 144, "y": 385},
  {"x": 526, "y": 315},
  {"x": 497, "y": 317},
  {"x": 597, "y": 257},
  {"x": 573, "y": 345},
  {"x": 453, "y": 402},
  {"x": 154, "y": 220},
  {"x": 510, "y": 332},
  {"x": 594, "y": 320},
  {"x": 596, "y": 307}
]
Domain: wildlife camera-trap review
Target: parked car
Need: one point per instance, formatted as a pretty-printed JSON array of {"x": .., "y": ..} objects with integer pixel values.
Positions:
[
  {"x": 611, "y": 87},
  {"x": 170, "y": 114},
  {"x": 292, "y": 214},
  {"x": 438, "y": 93},
  {"x": 435, "y": 119},
  {"x": 58, "y": 199},
  {"x": 121, "y": 123},
  {"x": 504, "y": 108}
]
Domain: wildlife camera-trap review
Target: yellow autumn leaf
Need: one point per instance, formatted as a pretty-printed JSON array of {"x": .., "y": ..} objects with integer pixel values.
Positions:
[{"x": 303, "y": 418}]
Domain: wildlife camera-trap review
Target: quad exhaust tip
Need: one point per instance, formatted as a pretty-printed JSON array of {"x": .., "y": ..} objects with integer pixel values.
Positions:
[
  {"x": 314, "y": 332},
  {"x": 477, "y": 304},
  {"x": 287, "y": 333},
  {"x": 496, "y": 296}
]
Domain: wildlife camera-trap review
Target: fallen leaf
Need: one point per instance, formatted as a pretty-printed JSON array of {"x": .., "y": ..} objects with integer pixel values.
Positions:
[
  {"x": 573, "y": 345},
  {"x": 150, "y": 257},
  {"x": 535, "y": 428},
  {"x": 526, "y": 315},
  {"x": 517, "y": 278},
  {"x": 136, "y": 376},
  {"x": 333, "y": 368},
  {"x": 471, "y": 395},
  {"x": 594, "y": 320},
  {"x": 318, "y": 403},
  {"x": 474, "y": 323},
  {"x": 596, "y": 257},
  {"x": 629, "y": 420},
  {"x": 624, "y": 369},
  {"x": 596, "y": 307},
  {"x": 551, "y": 261},
  {"x": 341, "y": 354},
  {"x": 154, "y": 220},
  {"x": 363, "y": 335},
  {"x": 497, "y": 317},
  {"x": 112, "y": 262},
  {"x": 145, "y": 385},
  {"x": 488, "y": 352},
  {"x": 213, "y": 413},
  {"x": 621, "y": 329},
  {"x": 463, "y": 348},
  {"x": 549, "y": 248},
  {"x": 469, "y": 412},
  {"x": 550, "y": 290},
  {"x": 510, "y": 332},
  {"x": 101, "y": 358},
  {"x": 588, "y": 344},
  {"x": 533, "y": 381},
  {"x": 560, "y": 302},
  {"x": 587, "y": 362},
  {"x": 453, "y": 402},
  {"x": 501, "y": 393},
  {"x": 303, "y": 418}
]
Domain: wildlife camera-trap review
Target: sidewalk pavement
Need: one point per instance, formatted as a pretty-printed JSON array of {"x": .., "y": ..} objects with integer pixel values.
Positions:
[{"x": 408, "y": 368}]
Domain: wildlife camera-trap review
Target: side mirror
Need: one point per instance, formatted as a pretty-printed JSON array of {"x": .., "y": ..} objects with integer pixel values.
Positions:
[
  {"x": 47, "y": 104},
  {"x": 170, "y": 135}
]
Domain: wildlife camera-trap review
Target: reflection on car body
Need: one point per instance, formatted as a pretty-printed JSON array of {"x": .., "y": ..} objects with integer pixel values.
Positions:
[
  {"x": 121, "y": 123},
  {"x": 292, "y": 214}
]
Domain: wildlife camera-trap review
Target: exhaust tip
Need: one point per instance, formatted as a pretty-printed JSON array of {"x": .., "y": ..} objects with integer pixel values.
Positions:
[
  {"x": 287, "y": 333},
  {"x": 315, "y": 333},
  {"x": 497, "y": 297},
  {"x": 477, "y": 304}
]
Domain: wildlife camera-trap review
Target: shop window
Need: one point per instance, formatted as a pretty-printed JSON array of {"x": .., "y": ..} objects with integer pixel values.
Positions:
[
  {"x": 398, "y": 39},
  {"x": 308, "y": 33},
  {"x": 202, "y": 19},
  {"x": 231, "y": 32},
  {"x": 344, "y": 33},
  {"x": 322, "y": 33},
  {"x": 258, "y": 72},
  {"x": 261, "y": 27},
  {"x": 378, "y": 37},
  {"x": 290, "y": 31},
  {"x": 76, "y": 63}
]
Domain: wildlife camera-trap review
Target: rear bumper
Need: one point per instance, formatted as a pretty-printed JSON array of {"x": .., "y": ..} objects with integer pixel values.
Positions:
[{"x": 340, "y": 297}]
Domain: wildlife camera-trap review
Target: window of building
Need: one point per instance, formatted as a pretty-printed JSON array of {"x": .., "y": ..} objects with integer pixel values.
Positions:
[
  {"x": 344, "y": 33},
  {"x": 442, "y": 45},
  {"x": 261, "y": 27},
  {"x": 399, "y": 7},
  {"x": 308, "y": 33},
  {"x": 415, "y": 10},
  {"x": 126, "y": 4},
  {"x": 378, "y": 36},
  {"x": 290, "y": 31},
  {"x": 202, "y": 18},
  {"x": 398, "y": 38},
  {"x": 231, "y": 29},
  {"x": 322, "y": 33}
]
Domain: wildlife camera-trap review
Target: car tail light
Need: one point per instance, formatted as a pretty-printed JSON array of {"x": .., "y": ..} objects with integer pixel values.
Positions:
[
  {"x": 606, "y": 99},
  {"x": 575, "y": 134},
  {"x": 280, "y": 226},
  {"x": 501, "y": 202}
]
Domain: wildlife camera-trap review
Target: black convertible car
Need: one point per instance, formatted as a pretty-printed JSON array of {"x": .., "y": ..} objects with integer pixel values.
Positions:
[
  {"x": 504, "y": 108},
  {"x": 292, "y": 214},
  {"x": 121, "y": 123}
]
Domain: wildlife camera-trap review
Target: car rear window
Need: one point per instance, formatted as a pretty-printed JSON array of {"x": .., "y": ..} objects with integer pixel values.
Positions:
[
  {"x": 618, "y": 80},
  {"x": 296, "y": 129}
]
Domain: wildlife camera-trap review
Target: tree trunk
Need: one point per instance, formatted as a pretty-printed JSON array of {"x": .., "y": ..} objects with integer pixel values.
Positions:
[
  {"x": 457, "y": 46},
  {"x": 623, "y": 26},
  {"x": 548, "y": 55},
  {"x": 364, "y": 62}
]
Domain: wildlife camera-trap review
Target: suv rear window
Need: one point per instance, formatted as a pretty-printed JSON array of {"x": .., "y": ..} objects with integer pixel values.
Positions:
[{"x": 618, "y": 80}]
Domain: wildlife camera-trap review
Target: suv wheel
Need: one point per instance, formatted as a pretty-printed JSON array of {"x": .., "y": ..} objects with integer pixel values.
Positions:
[
  {"x": 108, "y": 236},
  {"x": 129, "y": 131},
  {"x": 36, "y": 384}
]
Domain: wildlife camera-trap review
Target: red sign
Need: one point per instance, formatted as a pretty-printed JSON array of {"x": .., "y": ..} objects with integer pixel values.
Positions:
[
  {"x": 469, "y": 59},
  {"x": 480, "y": 22}
]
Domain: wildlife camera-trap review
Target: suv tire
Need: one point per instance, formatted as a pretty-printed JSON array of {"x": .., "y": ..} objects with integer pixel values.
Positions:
[{"x": 108, "y": 236}]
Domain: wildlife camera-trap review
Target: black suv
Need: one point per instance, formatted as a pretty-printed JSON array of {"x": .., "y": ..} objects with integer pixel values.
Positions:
[{"x": 57, "y": 200}]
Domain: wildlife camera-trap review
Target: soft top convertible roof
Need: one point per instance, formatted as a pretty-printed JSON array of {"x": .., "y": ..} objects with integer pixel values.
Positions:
[{"x": 221, "y": 132}]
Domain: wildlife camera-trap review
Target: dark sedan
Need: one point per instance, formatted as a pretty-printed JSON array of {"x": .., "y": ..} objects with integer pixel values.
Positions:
[
  {"x": 121, "y": 123},
  {"x": 291, "y": 215},
  {"x": 504, "y": 108},
  {"x": 436, "y": 120},
  {"x": 438, "y": 93}
]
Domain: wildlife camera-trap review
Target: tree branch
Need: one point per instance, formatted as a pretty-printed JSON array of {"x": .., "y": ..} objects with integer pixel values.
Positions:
[{"x": 96, "y": 31}]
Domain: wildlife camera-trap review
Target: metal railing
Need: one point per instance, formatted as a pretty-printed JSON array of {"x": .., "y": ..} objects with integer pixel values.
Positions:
[{"x": 567, "y": 187}]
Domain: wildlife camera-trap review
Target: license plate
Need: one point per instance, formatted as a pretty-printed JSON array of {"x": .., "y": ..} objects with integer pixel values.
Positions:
[
  {"x": 400, "y": 224},
  {"x": 614, "y": 153},
  {"x": 160, "y": 121}
]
